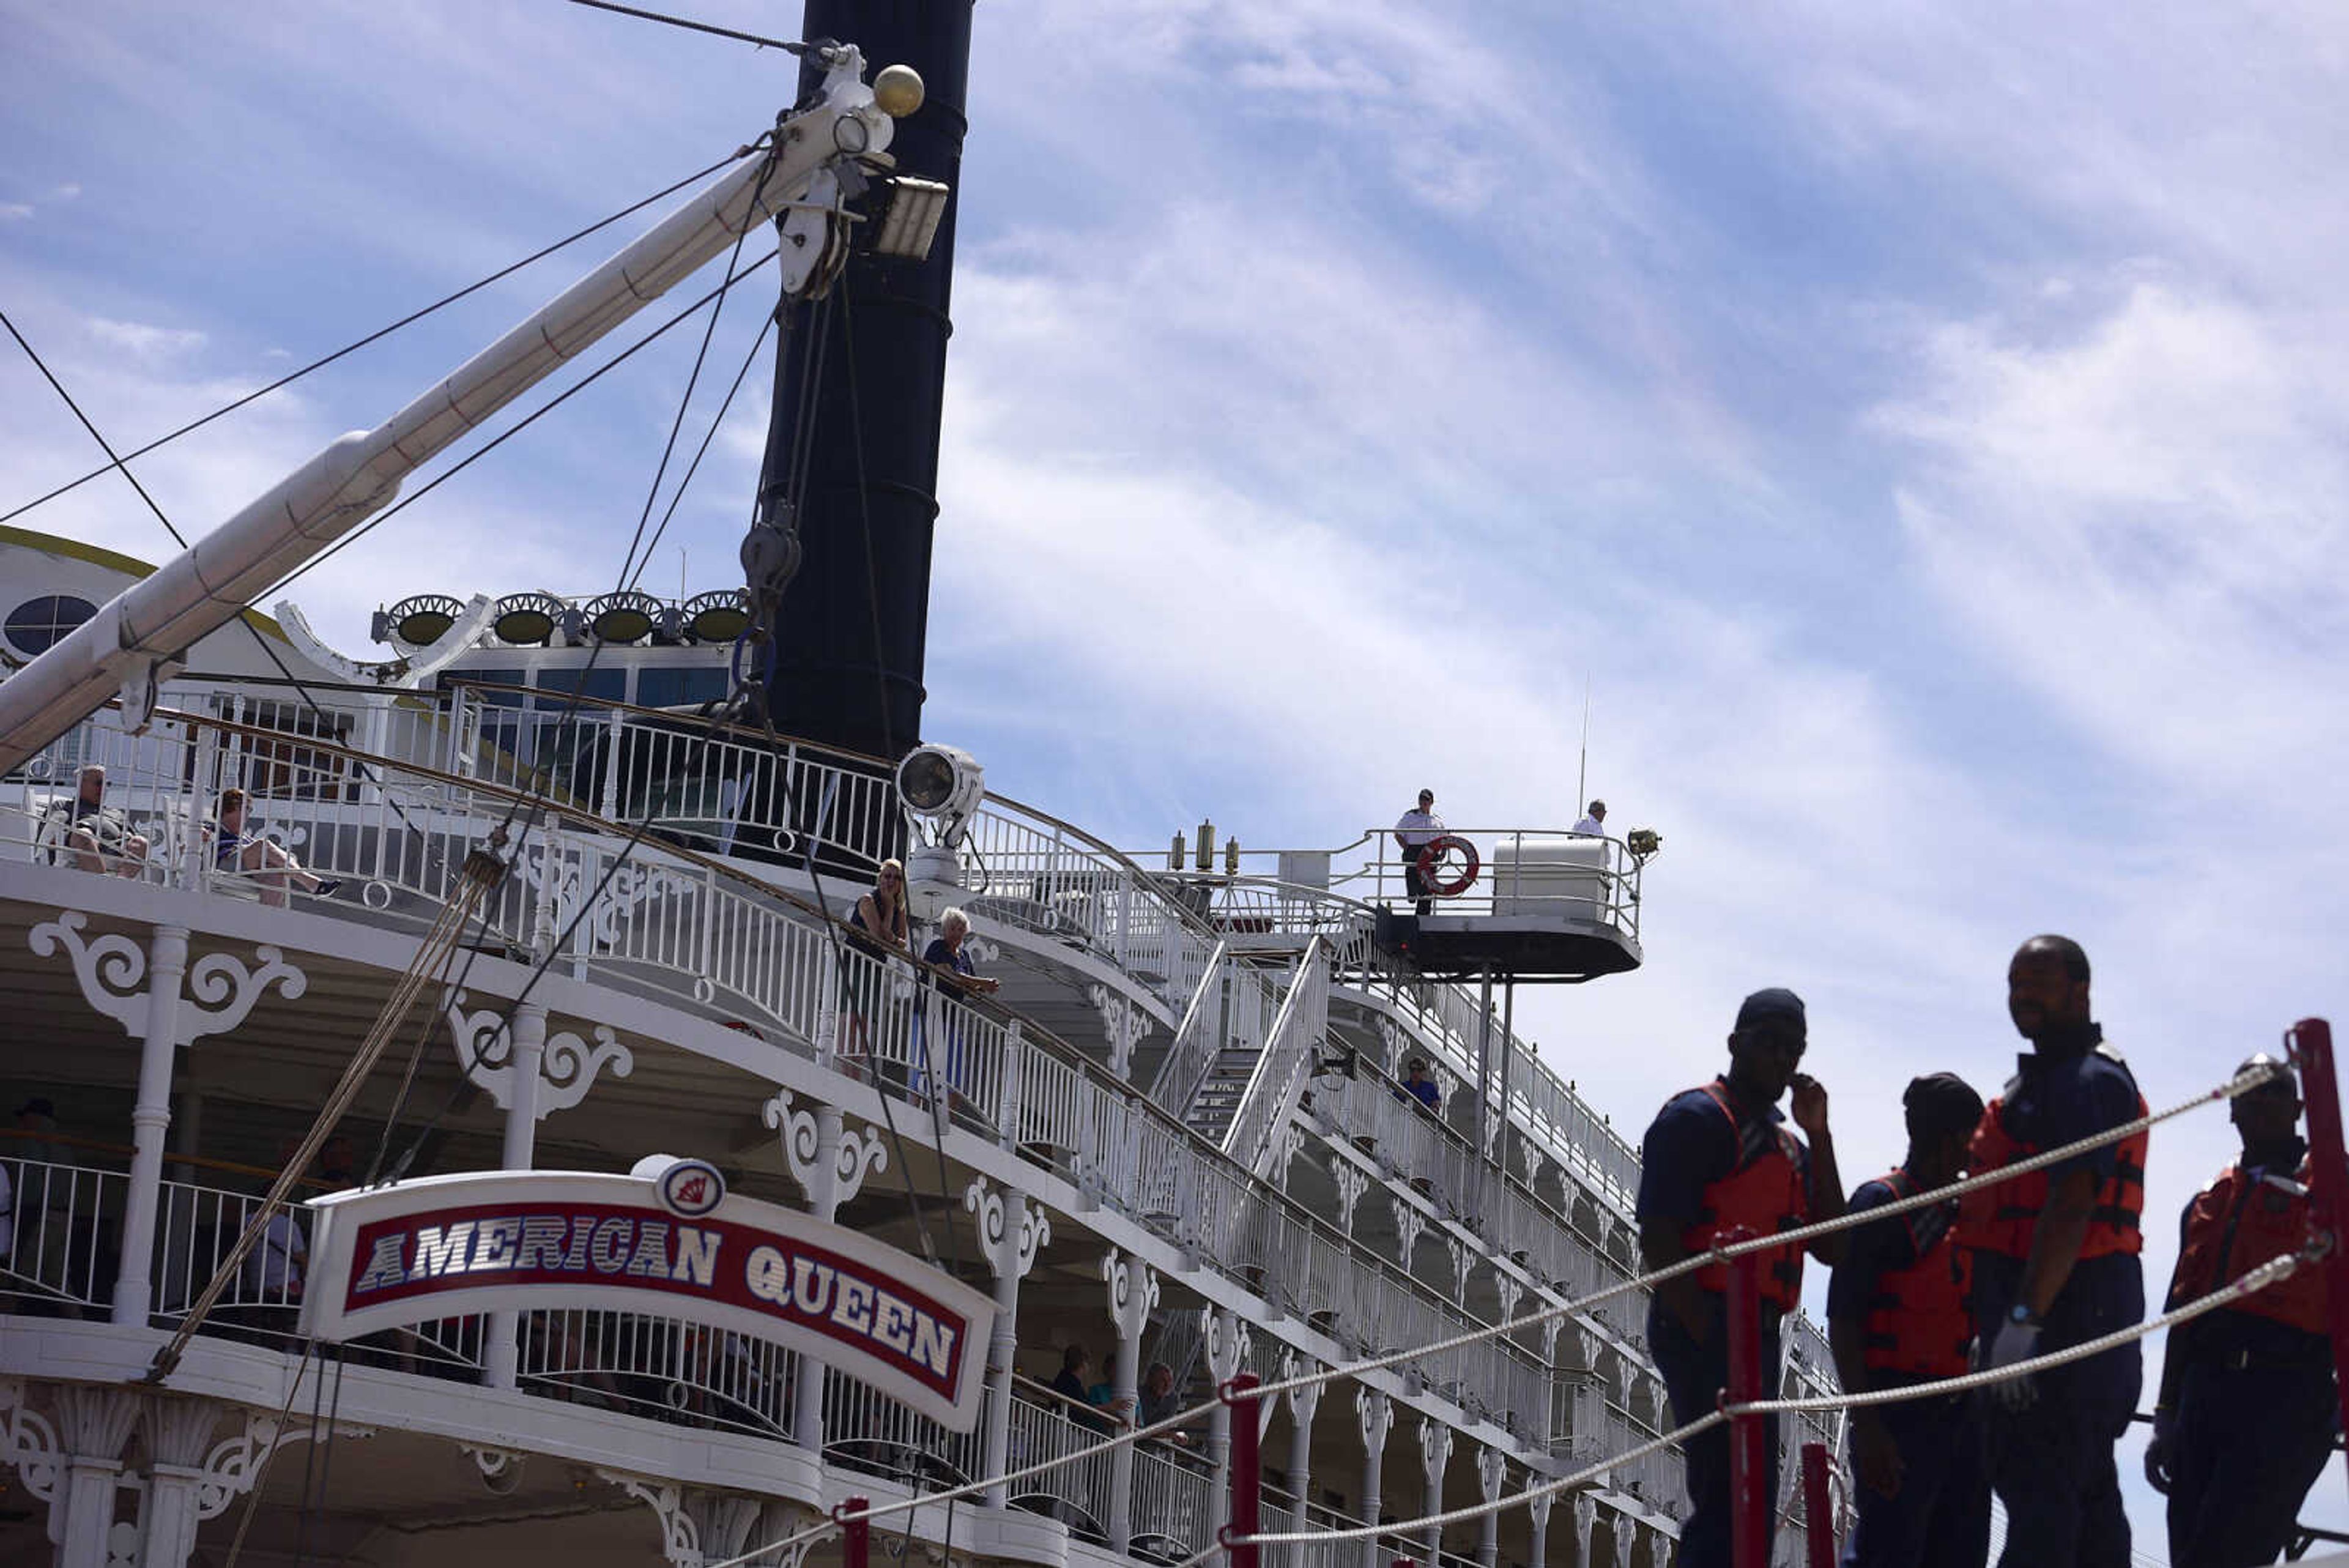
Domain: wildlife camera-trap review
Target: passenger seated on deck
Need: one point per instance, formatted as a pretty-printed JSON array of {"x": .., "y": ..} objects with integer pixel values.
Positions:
[
  {"x": 98, "y": 834},
  {"x": 272, "y": 868}
]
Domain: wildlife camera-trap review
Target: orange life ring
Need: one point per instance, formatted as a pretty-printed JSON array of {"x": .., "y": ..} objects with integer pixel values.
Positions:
[{"x": 1434, "y": 850}]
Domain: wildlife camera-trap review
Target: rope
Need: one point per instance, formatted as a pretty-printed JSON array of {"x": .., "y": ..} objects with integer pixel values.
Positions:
[
  {"x": 2241, "y": 1083},
  {"x": 483, "y": 870}
]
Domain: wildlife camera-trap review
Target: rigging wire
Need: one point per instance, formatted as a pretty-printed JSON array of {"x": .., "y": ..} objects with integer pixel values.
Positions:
[
  {"x": 119, "y": 464},
  {"x": 412, "y": 317},
  {"x": 788, "y": 47}
]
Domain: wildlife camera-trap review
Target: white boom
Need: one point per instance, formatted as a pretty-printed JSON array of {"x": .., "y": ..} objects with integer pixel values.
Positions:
[{"x": 136, "y": 640}]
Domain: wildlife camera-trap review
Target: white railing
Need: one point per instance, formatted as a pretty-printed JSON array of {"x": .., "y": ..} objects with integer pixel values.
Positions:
[
  {"x": 1599, "y": 887},
  {"x": 721, "y": 943},
  {"x": 1188, "y": 1054},
  {"x": 869, "y": 1431},
  {"x": 659, "y": 1367},
  {"x": 61, "y": 1217},
  {"x": 1076, "y": 1491},
  {"x": 1170, "y": 1501},
  {"x": 1290, "y": 1047}
]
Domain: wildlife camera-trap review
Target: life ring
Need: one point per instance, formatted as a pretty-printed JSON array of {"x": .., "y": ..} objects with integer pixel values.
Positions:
[{"x": 1434, "y": 850}]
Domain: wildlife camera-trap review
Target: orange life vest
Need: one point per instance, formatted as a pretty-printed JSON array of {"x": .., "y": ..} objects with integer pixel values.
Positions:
[
  {"x": 2234, "y": 1225},
  {"x": 1918, "y": 1322},
  {"x": 1765, "y": 1195},
  {"x": 2002, "y": 1217}
]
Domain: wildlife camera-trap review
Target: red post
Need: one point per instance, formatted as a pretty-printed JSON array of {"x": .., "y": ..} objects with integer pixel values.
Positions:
[
  {"x": 1819, "y": 1507},
  {"x": 1247, "y": 1472},
  {"x": 2328, "y": 1174},
  {"x": 856, "y": 1532},
  {"x": 1749, "y": 1460}
]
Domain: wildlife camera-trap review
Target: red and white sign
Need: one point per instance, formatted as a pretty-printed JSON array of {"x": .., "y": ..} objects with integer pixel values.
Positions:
[{"x": 446, "y": 1246}]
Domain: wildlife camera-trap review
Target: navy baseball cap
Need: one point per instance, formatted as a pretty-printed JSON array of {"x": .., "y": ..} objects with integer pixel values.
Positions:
[{"x": 1772, "y": 1001}]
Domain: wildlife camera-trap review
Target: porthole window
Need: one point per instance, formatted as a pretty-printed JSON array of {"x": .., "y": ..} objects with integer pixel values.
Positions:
[{"x": 36, "y": 625}]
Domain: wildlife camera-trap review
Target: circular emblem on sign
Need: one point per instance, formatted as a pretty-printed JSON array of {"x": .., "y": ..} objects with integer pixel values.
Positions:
[{"x": 690, "y": 1189}]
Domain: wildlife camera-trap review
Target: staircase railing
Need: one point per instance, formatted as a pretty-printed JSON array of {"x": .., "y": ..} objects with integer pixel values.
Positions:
[
  {"x": 1286, "y": 1062},
  {"x": 1185, "y": 1066}
]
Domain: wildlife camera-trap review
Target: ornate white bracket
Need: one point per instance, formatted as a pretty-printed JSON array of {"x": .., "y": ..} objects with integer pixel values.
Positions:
[
  {"x": 1226, "y": 1338},
  {"x": 1586, "y": 1521},
  {"x": 1393, "y": 1041},
  {"x": 1530, "y": 1150},
  {"x": 859, "y": 1153},
  {"x": 484, "y": 1042},
  {"x": 1374, "y": 1415},
  {"x": 1122, "y": 1025},
  {"x": 1410, "y": 1225},
  {"x": 1132, "y": 1292},
  {"x": 1435, "y": 1452},
  {"x": 28, "y": 1441},
  {"x": 1352, "y": 1182},
  {"x": 495, "y": 1464},
  {"x": 1304, "y": 1400},
  {"x": 1006, "y": 1253},
  {"x": 220, "y": 988},
  {"x": 1463, "y": 1255},
  {"x": 1492, "y": 1471},
  {"x": 234, "y": 1463},
  {"x": 680, "y": 1539},
  {"x": 1293, "y": 1141}
]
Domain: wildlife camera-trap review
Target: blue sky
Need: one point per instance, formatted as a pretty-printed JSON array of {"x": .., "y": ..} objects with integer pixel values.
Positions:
[{"x": 1921, "y": 424}]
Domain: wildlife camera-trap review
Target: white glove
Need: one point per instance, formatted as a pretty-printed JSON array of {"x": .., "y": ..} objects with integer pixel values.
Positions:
[{"x": 2015, "y": 1342}]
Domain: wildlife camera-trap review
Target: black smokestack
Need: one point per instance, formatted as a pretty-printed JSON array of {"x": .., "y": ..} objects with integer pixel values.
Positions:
[{"x": 855, "y": 621}]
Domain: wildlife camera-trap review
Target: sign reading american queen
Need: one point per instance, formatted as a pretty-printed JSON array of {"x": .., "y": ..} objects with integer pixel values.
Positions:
[{"x": 669, "y": 1240}]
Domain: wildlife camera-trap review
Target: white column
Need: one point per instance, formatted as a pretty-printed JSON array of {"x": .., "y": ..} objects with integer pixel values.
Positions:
[
  {"x": 1435, "y": 1458},
  {"x": 1227, "y": 1340},
  {"x": 179, "y": 1436},
  {"x": 151, "y": 1114},
  {"x": 822, "y": 1181},
  {"x": 1132, "y": 1292},
  {"x": 1010, "y": 1231},
  {"x": 1537, "y": 1516},
  {"x": 1491, "y": 1474},
  {"x": 502, "y": 1353},
  {"x": 1585, "y": 1527},
  {"x": 1375, "y": 1412},
  {"x": 1302, "y": 1403},
  {"x": 93, "y": 1424}
]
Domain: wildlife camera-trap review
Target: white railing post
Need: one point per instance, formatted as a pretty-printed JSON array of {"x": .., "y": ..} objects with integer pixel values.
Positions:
[
  {"x": 167, "y": 963},
  {"x": 500, "y": 1355},
  {"x": 196, "y": 855},
  {"x": 1008, "y": 1117},
  {"x": 824, "y": 1202}
]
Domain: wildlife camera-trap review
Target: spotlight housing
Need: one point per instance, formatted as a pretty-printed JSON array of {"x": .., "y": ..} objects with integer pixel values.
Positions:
[
  {"x": 527, "y": 620},
  {"x": 624, "y": 616},
  {"x": 720, "y": 615},
  {"x": 422, "y": 620}
]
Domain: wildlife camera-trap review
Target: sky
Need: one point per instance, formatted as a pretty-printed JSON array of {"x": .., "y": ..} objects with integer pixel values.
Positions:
[{"x": 1918, "y": 427}]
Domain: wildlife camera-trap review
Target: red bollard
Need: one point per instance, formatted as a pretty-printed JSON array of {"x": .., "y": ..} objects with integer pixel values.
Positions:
[
  {"x": 1819, "y": 1507},
  {"x": 855, "y": 1534},
  {"x": 1749, "y": 1436},
  {"x": 1247, "y": 1472},
  {"x": 2311, "y": 1041}
]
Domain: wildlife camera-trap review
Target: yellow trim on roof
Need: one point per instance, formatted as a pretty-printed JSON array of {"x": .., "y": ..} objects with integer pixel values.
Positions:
[{"x": 115, "y": 561}]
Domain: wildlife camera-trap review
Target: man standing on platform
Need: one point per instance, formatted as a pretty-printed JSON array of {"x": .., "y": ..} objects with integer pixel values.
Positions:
[
  {"x": 1415, "y": 830},
  {"x": 1718, "y": 1159},
  {"x": 2247, "y": 1412},
  {"x": 1899, "y": 1314},
  {"x": 2056, "y": 1264}
]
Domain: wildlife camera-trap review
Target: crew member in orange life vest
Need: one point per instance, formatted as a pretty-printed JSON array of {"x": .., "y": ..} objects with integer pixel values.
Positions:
[
  {"x": 1717, "y": 1159},
  {"x": 2247, "y": 1412},
  {"x": 2056, "y": 1264},
  {"x": 1899, "y": 1314}
]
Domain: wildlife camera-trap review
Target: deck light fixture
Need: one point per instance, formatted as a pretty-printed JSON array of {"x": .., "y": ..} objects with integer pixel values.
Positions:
[
  {"x": 904, "y": 212},
  {"x": 526, "y": 620}
]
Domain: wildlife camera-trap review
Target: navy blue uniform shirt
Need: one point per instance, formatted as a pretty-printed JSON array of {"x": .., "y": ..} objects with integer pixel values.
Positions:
[
  {"x": 1882, "y": 1246},
  {"x": 1691, "y": 1145}
]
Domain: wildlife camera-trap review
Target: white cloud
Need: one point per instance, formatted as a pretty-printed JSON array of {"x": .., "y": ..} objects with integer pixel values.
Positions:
[
  {"x": 13, "y": 210},
  {"x": 143, "y": 338}
]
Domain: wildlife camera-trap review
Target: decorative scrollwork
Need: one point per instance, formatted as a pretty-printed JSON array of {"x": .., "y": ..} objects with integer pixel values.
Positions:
[
  {"x": 224, "y": 991},
  {"x": 1123, "y": 1025},
  {"x": 110, "y": 969},
  {"x": 571, "y": 1066},
  {"x": 1352, "y": 1182},
  {"x": 1434, "y": 1451},
  {"x": 859, "y": 1153},
  {"x": 28, "y": 1441},
  {"x": 234, "y": 1463},
  {"x": 990, "y": 1207},
  {"x": 1132, "y": 1292},
  {"x": 800, "y": 1139},
  {"x": 1492, "y": 1470},
  {"x": 1374, "y": 1415},
  {"x": 1226, "y": 1338},
  {"x": 567, "y": 1065}
]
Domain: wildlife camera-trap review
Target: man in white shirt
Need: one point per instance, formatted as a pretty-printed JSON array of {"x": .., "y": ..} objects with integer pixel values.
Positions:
[
  {"x": 1416, "y": 830},
  {"x": 1594, "y": 821},
  {"x": 273, "y": 1269}
]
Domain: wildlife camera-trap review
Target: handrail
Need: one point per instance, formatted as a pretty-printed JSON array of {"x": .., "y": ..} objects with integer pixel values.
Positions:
[
  {"x": 1289, "y": 1047},
  {"x": 195, "y": 1161},
  {"x": 1185, "y": 1065}
]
